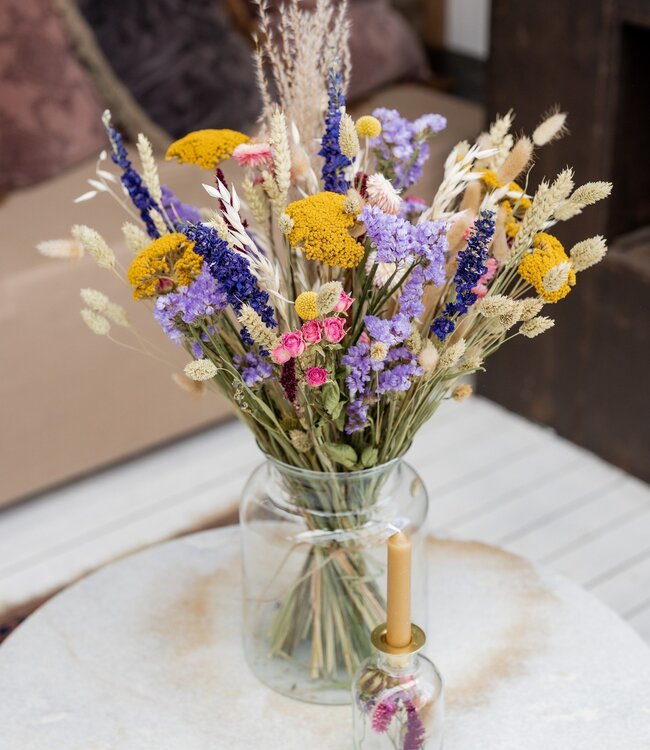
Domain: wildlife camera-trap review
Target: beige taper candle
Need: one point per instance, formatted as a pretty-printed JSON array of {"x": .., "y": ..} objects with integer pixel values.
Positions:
[{"x": 398, "y": 602}]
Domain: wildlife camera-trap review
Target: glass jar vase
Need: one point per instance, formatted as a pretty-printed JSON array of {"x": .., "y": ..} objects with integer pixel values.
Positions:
[{"x": 314, "y": 570}]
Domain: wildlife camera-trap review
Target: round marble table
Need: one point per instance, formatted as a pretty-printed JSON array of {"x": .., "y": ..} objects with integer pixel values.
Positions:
[{"x": 145, "y": 655}]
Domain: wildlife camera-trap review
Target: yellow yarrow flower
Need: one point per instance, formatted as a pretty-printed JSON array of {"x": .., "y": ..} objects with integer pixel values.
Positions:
[
  {"x": 547, "y": 254},
  {"x": 306, "y": 305},
  {"x": 320, "y": 226},
  {"x": 368, "y": 127},
  {"x": 207, "y": 148},
  {"x": 490, "y": 180},
  {"x": 166, "y": 262}
]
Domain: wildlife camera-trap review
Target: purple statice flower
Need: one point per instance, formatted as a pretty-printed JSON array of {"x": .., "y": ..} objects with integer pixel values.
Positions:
[
  {"x": 253, "y": 368},
  {"x": 401, "y": 148},
  {"x": 360, "y": 368},
  {"x": 188, "y": 304},
  {"x": 383, "y": 715},
  {"x": 178, "y": 211},
  {"x": 335, "y": 162},
  {"x": 422, "y": 246},
  {"x": 396, "y": 240},
  {"x": 232, "y": 272},
  {"x": 135, "y": 187},
  {"x": 470, "y": 268},
  {"x": 400, "y": 367},
  {"x": 288, "y": 380},
  {"x": 415, "y": 734}
]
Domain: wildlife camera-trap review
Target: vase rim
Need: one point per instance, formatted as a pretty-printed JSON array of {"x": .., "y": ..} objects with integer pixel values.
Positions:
[{"x": 343, "y": 475}]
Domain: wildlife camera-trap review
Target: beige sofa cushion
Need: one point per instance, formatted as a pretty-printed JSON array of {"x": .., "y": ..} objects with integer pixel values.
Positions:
[{"x": 72, "y": 402}]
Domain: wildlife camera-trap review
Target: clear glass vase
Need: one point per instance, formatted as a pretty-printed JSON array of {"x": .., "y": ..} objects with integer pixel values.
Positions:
[
  {"x": 398, "y": 701},
  {"x": 314, "y": 570}
]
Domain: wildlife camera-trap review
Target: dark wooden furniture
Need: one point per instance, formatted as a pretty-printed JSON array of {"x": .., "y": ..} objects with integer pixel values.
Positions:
[{"x": 588, "y": 378}]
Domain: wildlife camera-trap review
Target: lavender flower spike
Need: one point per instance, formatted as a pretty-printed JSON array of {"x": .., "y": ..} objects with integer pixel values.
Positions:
[{"x": 471, "y": 266}]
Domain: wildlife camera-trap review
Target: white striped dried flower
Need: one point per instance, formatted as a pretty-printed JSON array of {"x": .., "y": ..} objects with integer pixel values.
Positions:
[
  {"x": 545, "y": 201},
  {"x": 200, "y": 370},
  {"x": 414, "y": 342},
  {"x": 493, "y": 305},
  {"x": 535, "y": 326},
  {"x": 453, "y": 353},
  {"x": 381, "y": 193},
  {"x": 286, "y": 224},
  {"x": 65, "y": 249},
  {"x": 257, "y": 201},
  {"x": 550, "y": 129},
  {"x": 348, "y": 137},
  {"x": 281, "y": 156},
  {"x": 378, "y": 351},
  {"x": 462, "y": 392},
  {"x": 588, "y": 252},
  {"x": 327, "y": 296},
  {"x": 194, "y": 387},
  {"x": 428, "y": 357},
  {"x": 509, "y": 317},
  {"x": 218, "y": 223},
  {"x": 472, "y": 360},
  {"x": 97, "y": 323},
  {"x": 556, "y": 276},
  {"x": 300, "y": 441},
  {"x": 530, "y": 307},
  {"x": 149, "y": 167},
  {"x": 592, "y": 192},
  {"x": 353, "y": 202},
  {"x": 95, "y": 245},
  {"x": 94, "y": 299},
  {"x": 135, "y": 237},
  {"x": 261, "y": 334}
]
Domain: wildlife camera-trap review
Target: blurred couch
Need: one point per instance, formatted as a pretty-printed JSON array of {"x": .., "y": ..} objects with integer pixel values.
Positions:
[{"x": 73, "y": 402}]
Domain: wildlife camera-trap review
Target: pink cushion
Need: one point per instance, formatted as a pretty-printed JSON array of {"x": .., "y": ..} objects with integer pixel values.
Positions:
[{"x": 50, "y": 115}]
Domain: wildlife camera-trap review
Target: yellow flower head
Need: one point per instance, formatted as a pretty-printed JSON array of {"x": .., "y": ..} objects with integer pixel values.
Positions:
[
  {"x": 320, "y": 224},
  {"x": 368, "y": 126},
  {"x": 490, "y": 180},
  {"x": 534, "y": 268},
  {"x": 165, "y": 263},
  {"x": 306, "y": 306},
  {"x": 207, "y": 148}
]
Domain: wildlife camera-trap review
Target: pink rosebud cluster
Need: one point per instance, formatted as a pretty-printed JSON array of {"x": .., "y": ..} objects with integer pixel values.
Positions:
[
  {"x": 293, "y": 344},
  {"x": 343, "y": 305},
  {"x": 316, "y": 376},
  {"x": 480, "y": 290}
]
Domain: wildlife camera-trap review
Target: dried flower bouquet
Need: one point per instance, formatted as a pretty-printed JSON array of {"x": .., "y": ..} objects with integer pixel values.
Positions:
[{"x": 333, "y": 307}]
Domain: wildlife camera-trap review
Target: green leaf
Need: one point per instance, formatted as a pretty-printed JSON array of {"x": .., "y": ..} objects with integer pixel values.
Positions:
[
  {"x": 369, "y": 457},
  {"x": 342, "y": 454},
  {"x": 331, "y": 396}
]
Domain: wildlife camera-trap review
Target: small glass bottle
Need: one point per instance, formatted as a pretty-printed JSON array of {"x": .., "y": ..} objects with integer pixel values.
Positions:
[{"x": 397, "y": 698}]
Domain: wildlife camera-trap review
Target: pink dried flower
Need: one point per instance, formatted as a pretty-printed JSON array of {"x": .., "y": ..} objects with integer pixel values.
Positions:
[
  {"x": 312, "y": 331},
  {"x": 333, "y": 330},
  {"x": 253, "y": 154},
  {"x": 280, "y": 355},
  {"x": 294, "y": 343},
  {"x": 382, "y": 194},
  {"x": 364, "y": 338},
  {"x": 343, "y": 305},
  {"x": 316, "y": 376},
  {"x": 382, "y": 715}
]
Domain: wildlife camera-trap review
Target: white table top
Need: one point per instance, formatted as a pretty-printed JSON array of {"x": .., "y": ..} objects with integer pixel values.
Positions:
[{"x": 145, "y": 655}]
